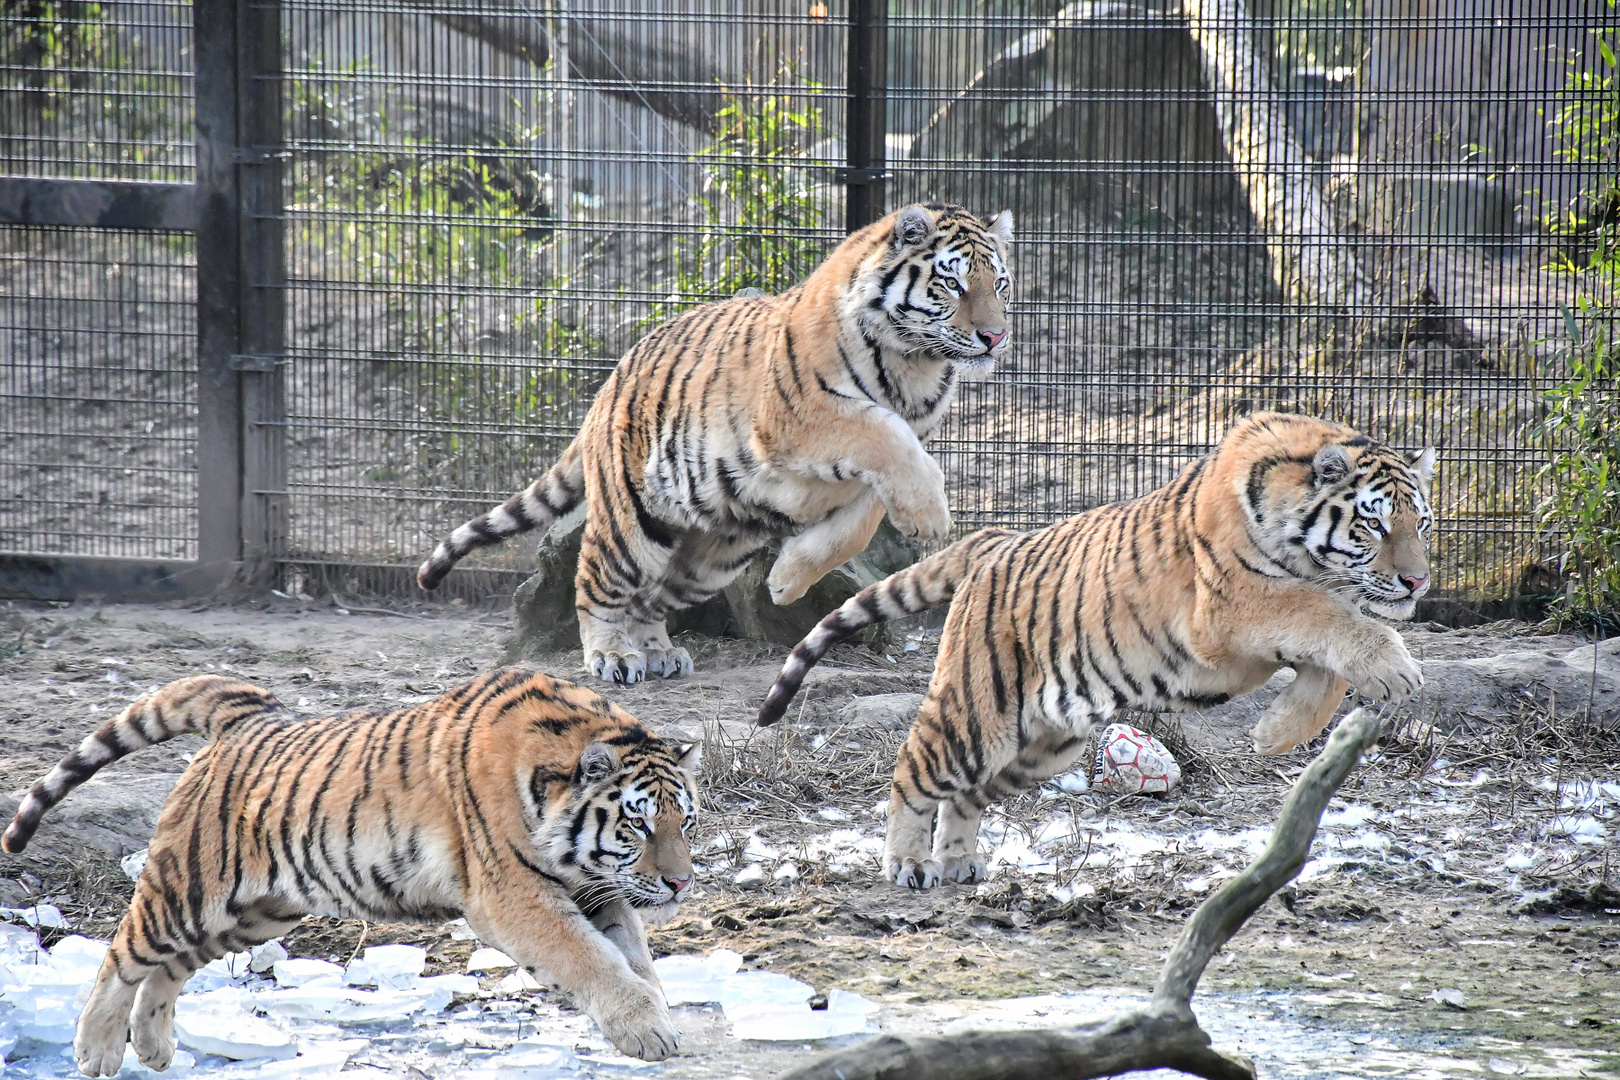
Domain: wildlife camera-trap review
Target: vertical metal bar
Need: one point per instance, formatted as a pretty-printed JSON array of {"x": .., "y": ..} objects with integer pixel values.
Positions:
[
  {"x": 866, "y": 126},
  {"x": 262, "y": 286},
  {"x": 219, "y": 402}
]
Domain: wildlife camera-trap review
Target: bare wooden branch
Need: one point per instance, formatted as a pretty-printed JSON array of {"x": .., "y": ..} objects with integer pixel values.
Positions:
[{"x": 1164, "y": 1036}]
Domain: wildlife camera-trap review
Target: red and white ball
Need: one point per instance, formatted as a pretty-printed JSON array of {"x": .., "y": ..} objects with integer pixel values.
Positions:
[{"x": 1133, "y": 762}]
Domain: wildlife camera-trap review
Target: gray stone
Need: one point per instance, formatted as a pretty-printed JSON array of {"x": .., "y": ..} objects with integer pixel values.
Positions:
[
  {"x": 543, "y": 606},
  {"x": 891, "y": 712},
  {"x": 114, "y": 814}
]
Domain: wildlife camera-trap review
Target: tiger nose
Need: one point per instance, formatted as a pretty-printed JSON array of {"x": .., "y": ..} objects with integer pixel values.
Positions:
[
  {"x": 678, "y": 885},
  {"x": 991, "y": 338},
  {"x": 1414, "y": 585}
]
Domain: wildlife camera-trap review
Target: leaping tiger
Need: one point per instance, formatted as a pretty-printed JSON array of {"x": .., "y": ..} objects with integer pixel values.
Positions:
[
  {"x": 798, "y": 417},
  {"x": 1257, "y": 557},
  {"x": 540, "y": 811}
]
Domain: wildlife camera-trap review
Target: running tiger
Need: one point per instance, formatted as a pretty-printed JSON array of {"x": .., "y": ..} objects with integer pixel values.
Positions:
[
  {"x": 798, "y": 417},
  {"x": 543, "y": 813},
  {"x": 1255, "y": 558}
]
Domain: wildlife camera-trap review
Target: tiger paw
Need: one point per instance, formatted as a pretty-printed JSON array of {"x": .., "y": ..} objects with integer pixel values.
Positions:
[
  {"x": 1386, "y": 671},
  {"x": 964, "y": 869},
  {"x": 99, "y": 1048},
  {"x": 669, "y": 663},
  {"x": 911, "y": 874},
  {"x": 641, "y": 1027},
  {"x": 930, "y": 520},
  {"x": 628, "y": 667}
]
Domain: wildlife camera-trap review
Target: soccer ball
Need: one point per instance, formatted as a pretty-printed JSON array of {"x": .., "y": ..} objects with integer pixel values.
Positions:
[{"x": 1134, "y": 762}]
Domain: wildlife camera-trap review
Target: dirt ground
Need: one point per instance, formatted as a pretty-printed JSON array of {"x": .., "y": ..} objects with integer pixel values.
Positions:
[{"x": 1471, "y": 853}]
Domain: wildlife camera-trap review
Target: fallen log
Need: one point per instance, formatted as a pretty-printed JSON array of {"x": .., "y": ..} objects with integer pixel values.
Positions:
[{"x": 1165, "y": 1035}]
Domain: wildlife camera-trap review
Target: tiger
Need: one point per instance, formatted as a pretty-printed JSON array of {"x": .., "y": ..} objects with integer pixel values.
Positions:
[
  {"x": 1256, "y": 557},
  {"x": 797, "y": 418},
  {"x": 535, "y": 808}
]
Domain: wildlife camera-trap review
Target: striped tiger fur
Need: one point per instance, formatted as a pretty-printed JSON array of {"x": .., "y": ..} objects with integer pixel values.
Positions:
[
  {"x": 798, "y": 418},
  {"x": 543, "y": 813},
  {"x": 1255, "y": 558}
]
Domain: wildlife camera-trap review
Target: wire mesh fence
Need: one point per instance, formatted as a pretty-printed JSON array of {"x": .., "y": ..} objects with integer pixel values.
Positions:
[{"x": 1346, "y": 207}]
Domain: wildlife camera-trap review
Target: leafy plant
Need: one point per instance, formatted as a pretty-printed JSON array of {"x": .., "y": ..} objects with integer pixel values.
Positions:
[
  {"x": 1582, "y": 429},
  {"x": 761, "y": 207}
]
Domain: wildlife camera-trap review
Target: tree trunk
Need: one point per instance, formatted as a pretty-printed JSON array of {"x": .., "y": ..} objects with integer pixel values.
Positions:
[{"x": 1311, "y": 259}]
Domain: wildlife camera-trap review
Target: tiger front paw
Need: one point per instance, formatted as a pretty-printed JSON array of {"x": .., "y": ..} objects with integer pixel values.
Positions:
[
  {"x": 914, "y": 874},
  {"x": 670, "y": 663},
  {"x": 640, "y": 1026},
  {"x": 628, "y": 666},
  {"x": 964, "y": 869},
  {"x": 98, "y": 1047},
  {"x": 1386, "y": 672}
]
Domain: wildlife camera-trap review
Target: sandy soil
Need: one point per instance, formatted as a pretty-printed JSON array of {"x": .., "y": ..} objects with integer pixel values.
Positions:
[{"x": 1475, "y": 858}]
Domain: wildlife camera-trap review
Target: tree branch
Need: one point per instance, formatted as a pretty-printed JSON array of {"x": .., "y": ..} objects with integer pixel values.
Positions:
[{"x": 1166, "y": 1034}]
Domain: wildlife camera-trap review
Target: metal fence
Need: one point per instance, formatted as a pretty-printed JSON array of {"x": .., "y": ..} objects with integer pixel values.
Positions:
[{"x": 297, "y": 286}]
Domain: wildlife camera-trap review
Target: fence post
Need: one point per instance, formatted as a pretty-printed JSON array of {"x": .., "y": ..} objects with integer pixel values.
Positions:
[
  {"x": 219, "y": 397},
  {"x": 261, "y": 358},
  {"x": 866, "y": 125}
]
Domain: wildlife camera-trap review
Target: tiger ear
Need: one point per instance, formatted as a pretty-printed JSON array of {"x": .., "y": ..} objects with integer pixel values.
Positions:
[
  {"x": 912, "y": 226},
  {"x": 689, "y": 756},
  {"x": 1001, "y": 227},
  {"x": 595, "y": 761},
  {"x": 1422, "y": 463},
  {"x": 1330, "y": 465}
]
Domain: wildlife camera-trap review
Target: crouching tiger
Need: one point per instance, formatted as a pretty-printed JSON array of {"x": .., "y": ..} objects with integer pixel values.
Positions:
[
  {"x": 544, "y": 814},
  {"x": 798, "y": 418},
  {"x": 1257, "y": 557}
]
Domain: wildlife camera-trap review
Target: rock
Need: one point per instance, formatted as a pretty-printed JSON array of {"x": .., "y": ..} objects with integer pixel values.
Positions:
[
  {"x": 1451, "y": 998},
  {"x": 543, "y": 606},
  {"x": 115, "y": 815},
  {"x": 890, "y": 712}
]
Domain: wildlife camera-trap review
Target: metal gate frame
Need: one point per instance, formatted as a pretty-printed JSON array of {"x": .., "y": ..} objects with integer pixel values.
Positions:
[{"x": 233, "y": 208}]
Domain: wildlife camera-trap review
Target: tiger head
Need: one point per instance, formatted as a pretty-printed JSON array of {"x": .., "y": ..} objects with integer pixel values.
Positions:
[
  {"x": 938, "y": 286},
  {"x": 1347, "y": 512},
  {"x": 623, "y": 829}
]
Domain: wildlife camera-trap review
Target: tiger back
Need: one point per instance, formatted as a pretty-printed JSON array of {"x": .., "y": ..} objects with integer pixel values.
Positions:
[
  {"x": 798, "y": 418},
  {"x": 544, "y": 814},
  {"x": 1257, "y": 557}
]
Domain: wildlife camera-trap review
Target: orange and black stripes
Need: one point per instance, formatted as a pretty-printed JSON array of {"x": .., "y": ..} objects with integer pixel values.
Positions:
[
  {"x": 1255, "y": 557},
  {"x": 731, "y": 427},
  {"x": 511, "y": 791}
]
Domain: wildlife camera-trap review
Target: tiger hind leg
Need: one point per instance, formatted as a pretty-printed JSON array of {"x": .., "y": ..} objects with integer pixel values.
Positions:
[{"x": 956, "y": 839}]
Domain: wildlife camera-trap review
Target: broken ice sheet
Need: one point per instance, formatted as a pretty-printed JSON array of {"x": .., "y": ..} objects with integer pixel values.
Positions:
[
  {"x": 221, "y": 1022},
  {"x": 387, "y": 967},
  {"x": 761, "y": 1005},
  {"x": 38, "y": 915},
  {"x": 487, "y": 959}
]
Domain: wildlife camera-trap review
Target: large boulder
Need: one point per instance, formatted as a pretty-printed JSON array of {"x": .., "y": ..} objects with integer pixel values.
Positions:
[{"x": 543, "y": 606}]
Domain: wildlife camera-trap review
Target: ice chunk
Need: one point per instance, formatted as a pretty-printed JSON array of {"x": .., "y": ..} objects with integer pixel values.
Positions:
[
  {"x": 78, "y": 953},
  {"x": 219, "y": 1022},
  {"x": 265, "y": 957},
  {"x": 832, "y": 814},
  {"x": 345, "y": 1004},
  {"x": 301, "y": 972},
  {"x": 487, "y": 959},
  {"x": 228, "y": 970},
  {"x": 696, "y": 980},
  {"x": 38, "y": 915},
  {"x": 788, "y": 871},
  {"x": 133, "y": 864},
  {"x": 181, "y": 1065},
  {"x": 751, "y": 876},
  {"x": 466, "y": 985},
  {"x": 518, "y": 980},
  {"x": 460, "y": 931},
  {"x": 1073, "y": 782},
  {"x": 1351, "y": 816},
  {"x": 761, "y": 1005},
  {"x": 387, "y": 967}
]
